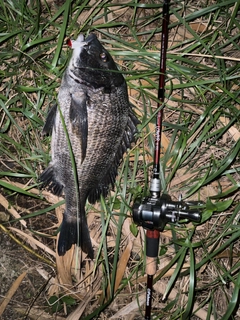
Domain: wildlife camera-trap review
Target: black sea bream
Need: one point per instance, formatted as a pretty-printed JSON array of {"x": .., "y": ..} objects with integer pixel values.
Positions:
[{"x": 98, "y": 117}]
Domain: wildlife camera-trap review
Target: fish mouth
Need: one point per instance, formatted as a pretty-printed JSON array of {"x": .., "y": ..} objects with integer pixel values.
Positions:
[
  {"x": 89, "y": 44},
  {"x": 91, "y": 37}
]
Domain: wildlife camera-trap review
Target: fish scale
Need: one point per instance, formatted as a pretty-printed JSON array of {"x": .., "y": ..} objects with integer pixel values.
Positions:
[{"x": 101, "y": 126}]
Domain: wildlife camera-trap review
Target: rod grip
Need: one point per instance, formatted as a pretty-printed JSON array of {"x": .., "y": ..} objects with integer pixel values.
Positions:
[{"x": 152, "y": 245}]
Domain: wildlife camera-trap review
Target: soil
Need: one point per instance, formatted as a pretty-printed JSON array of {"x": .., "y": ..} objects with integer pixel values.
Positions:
[{"x": 14, "y": 260}]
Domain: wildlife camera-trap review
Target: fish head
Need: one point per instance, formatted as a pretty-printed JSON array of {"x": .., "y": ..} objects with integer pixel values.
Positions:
[{"x": 91, "y": 63}]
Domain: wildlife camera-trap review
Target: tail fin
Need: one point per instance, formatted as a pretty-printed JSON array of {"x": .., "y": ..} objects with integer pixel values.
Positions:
[{"x": 69, "y": 235}]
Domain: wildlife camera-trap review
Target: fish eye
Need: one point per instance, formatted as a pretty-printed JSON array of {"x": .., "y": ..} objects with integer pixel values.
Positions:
[{"x": 103, "y": 56}]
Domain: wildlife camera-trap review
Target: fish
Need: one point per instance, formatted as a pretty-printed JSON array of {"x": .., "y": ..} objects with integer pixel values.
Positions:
[{"x": 92, "y": 126}]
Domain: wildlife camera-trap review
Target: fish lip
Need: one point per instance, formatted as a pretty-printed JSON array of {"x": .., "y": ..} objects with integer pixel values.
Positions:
[
  {"x": 86, "y": 44},
  {"x": 79, "y": 42},
  {"x": 88, "y": 48},
  {"x": 91, "y": 37},
  {"x": 89, "y": 42}
]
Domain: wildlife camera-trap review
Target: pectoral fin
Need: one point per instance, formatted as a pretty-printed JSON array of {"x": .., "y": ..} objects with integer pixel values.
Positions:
[
  {"x": 79, "y": 119},
  {"x": 49, "y": 179},
  {"x": 47, "y": 128}
]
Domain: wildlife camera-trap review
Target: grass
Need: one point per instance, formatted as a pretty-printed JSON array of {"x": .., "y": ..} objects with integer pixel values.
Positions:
[{"x": 198, "y": 263}]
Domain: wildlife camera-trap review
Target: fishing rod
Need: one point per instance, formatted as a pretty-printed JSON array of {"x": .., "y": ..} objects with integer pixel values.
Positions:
[{"x": 154, "y": 212}]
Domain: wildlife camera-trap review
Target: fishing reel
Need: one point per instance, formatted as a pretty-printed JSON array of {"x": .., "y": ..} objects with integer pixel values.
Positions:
[{"x": 155, "y": 212}]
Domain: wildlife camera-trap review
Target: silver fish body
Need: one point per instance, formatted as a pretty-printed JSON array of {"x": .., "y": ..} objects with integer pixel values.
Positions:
[{"x": 100, "y": 125}]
